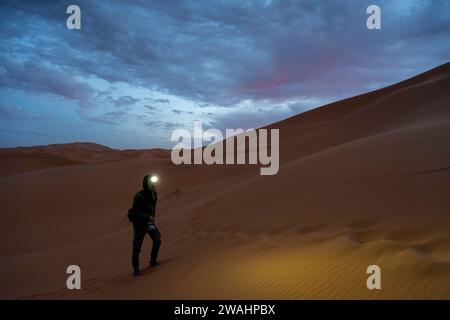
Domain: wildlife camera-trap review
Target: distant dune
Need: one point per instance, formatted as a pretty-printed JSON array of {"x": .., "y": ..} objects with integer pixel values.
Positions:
[
  {"x": 362, "y": 181},
  {"x": 23, "y": 159}
]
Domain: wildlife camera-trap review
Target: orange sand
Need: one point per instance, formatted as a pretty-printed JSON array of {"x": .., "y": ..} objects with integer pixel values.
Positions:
[{"x": 362, "y": 181}]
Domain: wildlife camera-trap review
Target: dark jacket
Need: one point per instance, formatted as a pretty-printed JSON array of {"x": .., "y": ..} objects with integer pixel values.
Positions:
[{"x": 144, "y": 205}]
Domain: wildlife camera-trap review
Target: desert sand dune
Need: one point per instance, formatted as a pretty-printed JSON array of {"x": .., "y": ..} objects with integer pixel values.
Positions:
[
  {"x": 24, "y": 159},
  {"x": 362, "y": 181}
]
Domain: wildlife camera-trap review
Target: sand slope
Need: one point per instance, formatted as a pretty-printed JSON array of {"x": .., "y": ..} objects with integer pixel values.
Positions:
[{"x": 362, "y": 181}]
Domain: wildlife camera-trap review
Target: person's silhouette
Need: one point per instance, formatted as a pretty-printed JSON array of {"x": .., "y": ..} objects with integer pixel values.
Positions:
[{"x": 142, "y": 215}]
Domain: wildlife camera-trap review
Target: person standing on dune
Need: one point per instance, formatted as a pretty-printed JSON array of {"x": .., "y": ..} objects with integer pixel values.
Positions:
[{"x": 142, "y": 215}]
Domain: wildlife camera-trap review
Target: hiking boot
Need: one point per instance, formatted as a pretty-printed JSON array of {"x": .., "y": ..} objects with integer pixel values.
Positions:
[
  {"x": 136, "y": 273},
  {"x": 154, "y": 263}
]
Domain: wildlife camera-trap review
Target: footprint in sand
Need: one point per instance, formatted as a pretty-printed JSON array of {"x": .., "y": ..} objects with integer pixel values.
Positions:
[{"x": 366, "y": 235}]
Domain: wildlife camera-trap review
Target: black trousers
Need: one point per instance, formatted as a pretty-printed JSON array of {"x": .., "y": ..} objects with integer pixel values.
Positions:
[{"x": 138, "y": 238}]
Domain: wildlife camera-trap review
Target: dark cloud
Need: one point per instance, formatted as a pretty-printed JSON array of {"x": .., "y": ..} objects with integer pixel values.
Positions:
[
  {"x": 178, "y": 111},
  {"x": 36, "y": 77},
  {"x": 125, "y": 101},
  {"x": 110, "y": 117},
  {"x": 151, "y": 108},
  {"x": 228, "y": 51},
  {"x": 153, "y": 100}
]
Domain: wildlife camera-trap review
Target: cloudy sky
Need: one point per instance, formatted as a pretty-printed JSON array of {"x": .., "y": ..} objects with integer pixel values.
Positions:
[{"x": 139, "y": 69}]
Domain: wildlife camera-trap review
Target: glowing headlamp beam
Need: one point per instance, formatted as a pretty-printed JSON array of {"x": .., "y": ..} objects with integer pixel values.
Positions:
[{"x": 154, "y": 179}]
